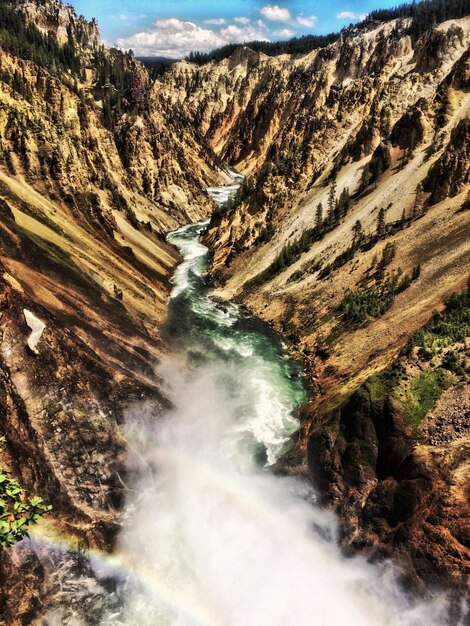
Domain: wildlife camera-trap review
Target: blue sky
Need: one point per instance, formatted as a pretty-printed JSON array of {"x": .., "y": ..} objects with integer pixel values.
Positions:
[{"x": 174, "y": 27}]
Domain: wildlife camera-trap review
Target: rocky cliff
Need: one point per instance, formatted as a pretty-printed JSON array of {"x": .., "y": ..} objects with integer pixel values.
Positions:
[
  {"x": 352, "y": 231},
  {"x": 94, "y": 169}
]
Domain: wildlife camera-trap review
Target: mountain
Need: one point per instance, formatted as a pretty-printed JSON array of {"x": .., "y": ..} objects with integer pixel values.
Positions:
[
  {"x": 351, "y": 235},
  {"x": 94, "y": 170}
]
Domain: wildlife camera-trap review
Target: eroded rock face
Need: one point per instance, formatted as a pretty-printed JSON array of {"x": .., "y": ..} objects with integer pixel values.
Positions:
[
  {"x": 409, "y": 131},
  {"x": 84, "y": 205},
  {"x": 50, "y": 15},
  {"x": 87, "y": 191},
  {"x": 304, "y": 129},
  {"x": 62, "y": 413},
  {"x": 396, "y": 499},
  {"x": 293, "y": 124},
  {"x": 451, "y": 173}
]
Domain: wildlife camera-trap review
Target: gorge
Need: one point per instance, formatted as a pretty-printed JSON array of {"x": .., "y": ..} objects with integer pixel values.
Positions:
[{"x": 249, "y": 401}]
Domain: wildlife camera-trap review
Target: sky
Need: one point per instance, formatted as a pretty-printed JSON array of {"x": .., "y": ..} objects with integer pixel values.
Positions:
[{"x": 173, "y": 28}]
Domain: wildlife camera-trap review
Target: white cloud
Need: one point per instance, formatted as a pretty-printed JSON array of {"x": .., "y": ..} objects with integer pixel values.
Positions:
[
  {"x": 309, "y": 22},
  {"x": 242, "y": 20},
  {"x": 284, "y": 33},
  {"x": 216, "y": 22},
  {"x": 275, "y": 13},
  {"x": 240, "y": 34},
  {"x": 175, "y": 38},
  {"x": 349, "y": 15}
]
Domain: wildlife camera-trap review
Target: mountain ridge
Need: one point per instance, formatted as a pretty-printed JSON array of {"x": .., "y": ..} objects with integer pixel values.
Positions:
[{"x": 350, "y": 233}]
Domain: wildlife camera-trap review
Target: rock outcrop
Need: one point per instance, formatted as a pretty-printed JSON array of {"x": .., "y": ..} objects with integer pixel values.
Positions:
[
  {"x": 94, "y": 169},
  {"x": 351, "y": 232}
]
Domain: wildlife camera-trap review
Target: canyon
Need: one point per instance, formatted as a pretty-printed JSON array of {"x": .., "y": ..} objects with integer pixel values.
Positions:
[
  {"x": 300, "y": 128},
  {"x": 348, "y": 236}
]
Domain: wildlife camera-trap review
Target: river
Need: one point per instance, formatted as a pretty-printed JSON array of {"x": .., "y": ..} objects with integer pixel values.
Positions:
[
  {"x": 211, "y": 535},
  {"x": 214, "y": 537}
]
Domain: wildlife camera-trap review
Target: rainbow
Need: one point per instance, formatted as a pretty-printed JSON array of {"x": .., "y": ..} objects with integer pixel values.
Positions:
[{"x": 191, "y": 607}]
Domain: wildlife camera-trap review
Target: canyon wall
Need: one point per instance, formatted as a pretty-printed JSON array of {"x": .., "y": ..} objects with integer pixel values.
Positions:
[
  {"x": 94, "y": 169},
  {"x": 349, "y": 237},
  {"x": 351, "y": 233}
]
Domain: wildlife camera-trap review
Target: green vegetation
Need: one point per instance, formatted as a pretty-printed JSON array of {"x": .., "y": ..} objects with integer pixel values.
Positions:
[
  {"x": 156, "y": 66},
  {"x": 118, "y": 81},
  {"x": 337, "y": 208},
  {"x": 437, "y": 344},
  {"x": 28, "y": 42},
  {"x": 445, "y": 329},
  {"x": 297, "y": 45},
  {"x": 17, "y": 513},
  {"x": 116, "y": 74},
  {"x": 422, "y": 393},
  {"x": 288, "y": 255},
  {"x": 416, "y": 394},
  {"x": 362, "y": 304},
  {"x": 362, "y": 242},
  {"x": 424, "y": 16}
]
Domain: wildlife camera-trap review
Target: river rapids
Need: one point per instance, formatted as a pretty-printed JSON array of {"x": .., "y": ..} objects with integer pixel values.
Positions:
[{"x": 212, "y": 536}]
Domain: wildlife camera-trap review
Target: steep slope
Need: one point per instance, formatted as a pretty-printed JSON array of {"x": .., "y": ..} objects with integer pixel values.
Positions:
[
  {"x": 352, "y": 231},
  {"x": 96, "y": 163},
  {"x": 94, "y": 169}
]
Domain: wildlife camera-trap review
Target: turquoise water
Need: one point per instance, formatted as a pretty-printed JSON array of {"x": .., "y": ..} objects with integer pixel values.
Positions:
[
  {"x": 266, "y": 387},
  {"x": 210, "y": 536}
]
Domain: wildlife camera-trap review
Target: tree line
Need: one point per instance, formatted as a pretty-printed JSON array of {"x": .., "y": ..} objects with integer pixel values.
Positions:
[
  {"x": 26, "y": 41},
  {"x": 296, "y": 45},
  {"x": 424, "y": 16}
]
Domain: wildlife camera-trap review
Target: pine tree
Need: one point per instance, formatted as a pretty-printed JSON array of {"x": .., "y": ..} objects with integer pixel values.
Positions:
[
  {"x": 388, "y": 254},
  {"x": 344, "y": 202},
  {"x": 319, "y": 219},
  {"x": 332, "y": 202},
  {"x": 358, "y": 234},
  {"x": 381, "y": 223},
  {"x": 366, "y": 177},
  {"x": 108, "y": 117}
]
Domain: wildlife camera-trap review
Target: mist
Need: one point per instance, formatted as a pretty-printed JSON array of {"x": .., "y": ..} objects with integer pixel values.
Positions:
[
  {"x": 214, "y": 538},
  {"x": 211, "y": 536}
]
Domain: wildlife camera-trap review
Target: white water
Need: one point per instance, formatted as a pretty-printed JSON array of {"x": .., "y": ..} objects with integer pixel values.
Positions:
[
  {"x": 212, "y": 537},
  {"x": 216, "y": 541}
]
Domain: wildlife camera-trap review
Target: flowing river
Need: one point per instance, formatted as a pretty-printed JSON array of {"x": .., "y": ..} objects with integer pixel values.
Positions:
[
  {"x": 212, "y": 536},
  {"x": 216, "y": 537}
]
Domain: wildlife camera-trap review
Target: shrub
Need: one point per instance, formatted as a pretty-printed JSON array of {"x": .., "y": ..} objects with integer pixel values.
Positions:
[{"x": 17, "y": 514}]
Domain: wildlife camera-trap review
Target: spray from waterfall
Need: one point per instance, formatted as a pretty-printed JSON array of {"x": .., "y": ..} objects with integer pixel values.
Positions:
[
  {"x": 240, "y": 545},
  {"x": 211, "y": 537}
]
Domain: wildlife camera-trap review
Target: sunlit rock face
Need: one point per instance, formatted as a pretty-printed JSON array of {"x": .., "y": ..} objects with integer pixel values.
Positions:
[
  {"x": 84, "y": 207},
  {"x": 386, "y": 118},
  {"x": 50, "y": 15}
]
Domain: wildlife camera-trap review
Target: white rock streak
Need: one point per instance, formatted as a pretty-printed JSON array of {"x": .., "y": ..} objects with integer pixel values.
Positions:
[{"x": 37, "y": 328}]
